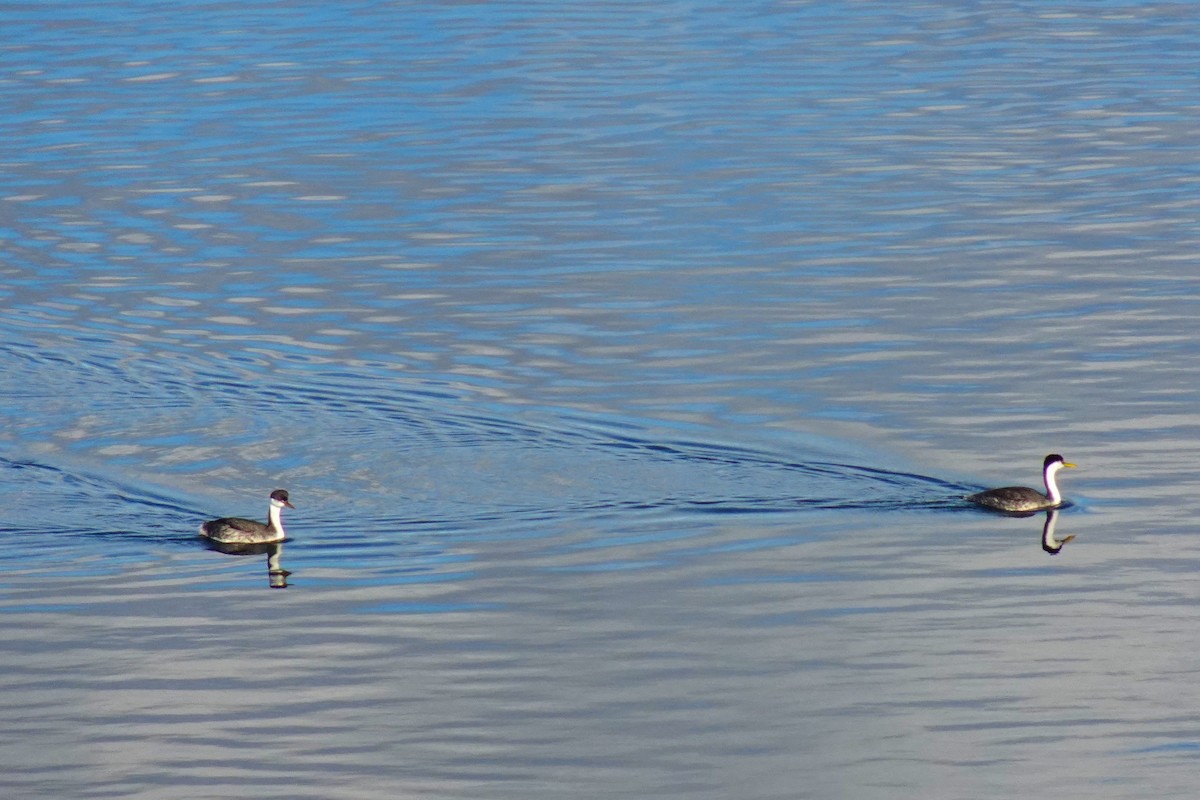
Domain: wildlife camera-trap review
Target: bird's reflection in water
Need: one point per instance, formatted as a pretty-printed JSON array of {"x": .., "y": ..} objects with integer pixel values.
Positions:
[
  {"x": 277, "y": 576},
  {"x": 1050, "y": 544}
]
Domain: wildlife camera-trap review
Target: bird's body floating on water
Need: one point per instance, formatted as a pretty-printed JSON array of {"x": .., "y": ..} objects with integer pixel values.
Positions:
[
  {"x": 1022, "y": 498},
  {"x": 235, "y": 530}
]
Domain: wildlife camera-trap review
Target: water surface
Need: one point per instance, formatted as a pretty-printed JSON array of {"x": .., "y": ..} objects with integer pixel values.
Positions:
[{"x": 626, "y": 366}]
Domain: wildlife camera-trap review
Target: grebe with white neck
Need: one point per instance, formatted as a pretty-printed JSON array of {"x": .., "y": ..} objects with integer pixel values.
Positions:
[
  {"x": 1022, "y": 498},
  {"x": 236, "y": 530}
]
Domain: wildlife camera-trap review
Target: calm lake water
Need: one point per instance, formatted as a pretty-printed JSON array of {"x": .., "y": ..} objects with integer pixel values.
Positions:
[{"x": 627, "y": 364}]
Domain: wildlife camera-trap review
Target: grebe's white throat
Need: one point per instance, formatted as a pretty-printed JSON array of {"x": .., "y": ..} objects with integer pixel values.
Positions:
[{"x": 1051, "y": 469}]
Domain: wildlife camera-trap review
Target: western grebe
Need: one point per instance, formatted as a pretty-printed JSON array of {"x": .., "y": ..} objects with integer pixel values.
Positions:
[
  {"x": 1021, "y": 498},
  {"x": 234, "y": 530}
]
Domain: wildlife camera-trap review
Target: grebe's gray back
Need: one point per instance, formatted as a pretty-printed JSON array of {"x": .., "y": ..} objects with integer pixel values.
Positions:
[
  {"x": 1022, "y": 498},
  {"x": 236, "y": 530}
]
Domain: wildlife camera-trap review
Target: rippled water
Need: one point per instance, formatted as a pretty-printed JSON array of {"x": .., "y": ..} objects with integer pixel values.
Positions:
[{"x": 627, "y": 366}]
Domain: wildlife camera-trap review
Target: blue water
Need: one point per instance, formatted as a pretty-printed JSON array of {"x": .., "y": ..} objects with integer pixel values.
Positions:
[{"x": 626, "y": 365}]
